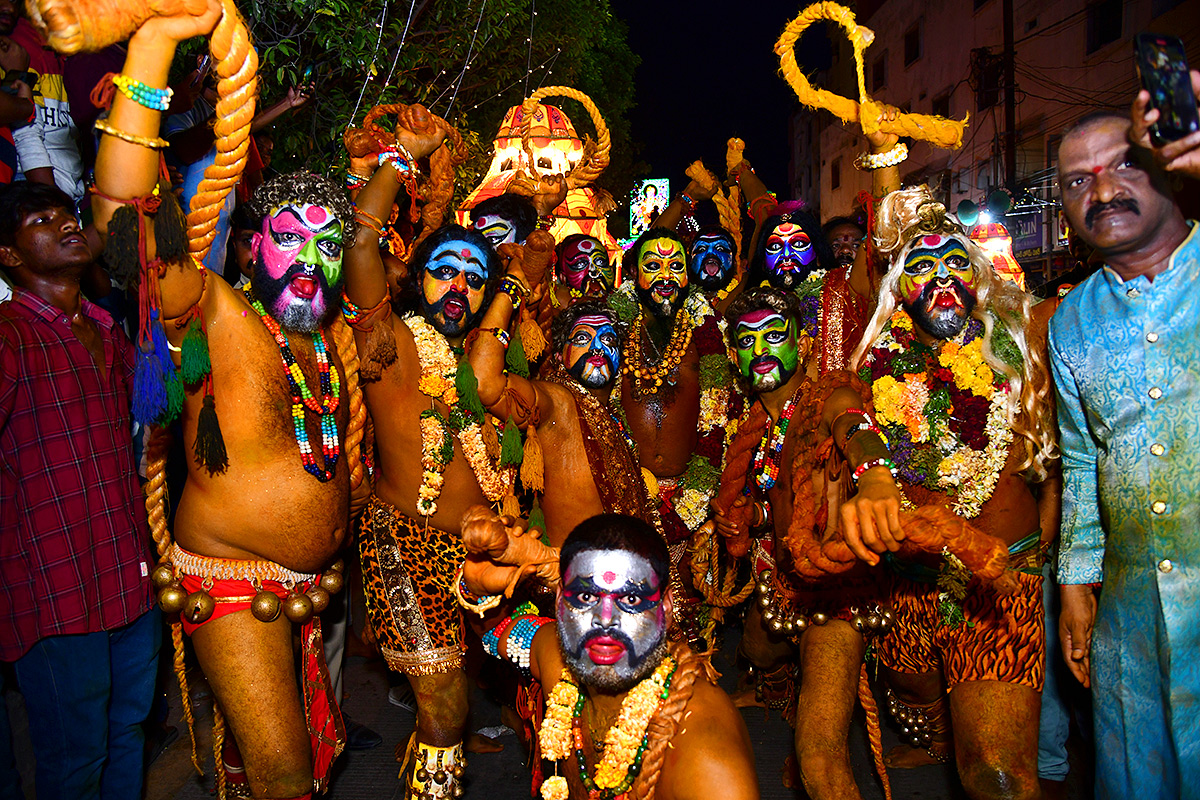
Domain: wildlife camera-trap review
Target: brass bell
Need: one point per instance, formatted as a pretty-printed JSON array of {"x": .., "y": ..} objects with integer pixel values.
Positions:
[
  {"x": 820, "y": 618},
  {"x": 764, "y": 601},
  {"x": 333, "y": 582},
  {"x": 776, "y": 625},
  {"x": 319, "y": 598},
  {"x": 338, "y": 566},
  {"x": 440, "y": 776},
  {"x": 422, "y": 774},
  {"x": 768, "y": 616},
  {"x": 789, "y": 626},
  {"x": 765, "y": 576},
  {"x": 873, "y": 621},
  {"x": 162, "y": 576},
  {"x": 298, "y": 608},
  {"x": 459, "y": 790},
  {"x": 198, "y": 607},
  {"x": 265, "y": 606},
  {"x": 457, "y": 771},
  {"x": 171, "y": 598},
  {"x": 801, "y": 624},
  {"x": 858, "y": 623}
]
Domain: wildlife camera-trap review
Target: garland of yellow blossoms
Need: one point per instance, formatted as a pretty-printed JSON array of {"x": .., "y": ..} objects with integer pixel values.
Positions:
[
  {"x": 438, "y": 368},
  {"x": 624, "y": 744}
]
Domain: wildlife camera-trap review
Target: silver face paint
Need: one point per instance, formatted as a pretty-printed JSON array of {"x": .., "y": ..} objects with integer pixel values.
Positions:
[
  {"x": 497, "y": 229},
  {"x": 612, "y": 621}
]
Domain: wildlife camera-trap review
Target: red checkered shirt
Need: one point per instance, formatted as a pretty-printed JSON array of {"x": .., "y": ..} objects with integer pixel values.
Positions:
[{"x": 74, "y": 545}]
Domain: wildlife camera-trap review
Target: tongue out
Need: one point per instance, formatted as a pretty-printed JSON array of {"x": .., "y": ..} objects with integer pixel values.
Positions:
[
  {"x": 711, "y": 267},
  {"x": 945, "y": 298},
  {"x": 453, "y": 308},
  {"x": 304, "y": 286}
]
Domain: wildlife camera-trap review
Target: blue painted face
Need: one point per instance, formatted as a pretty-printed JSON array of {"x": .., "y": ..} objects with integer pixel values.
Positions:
[
  {"x": 593, "y": 351},
  {"x": 453, "y": 286},
  {"x": 711, "y": 261},
  {"x": 789, "y": 253}
]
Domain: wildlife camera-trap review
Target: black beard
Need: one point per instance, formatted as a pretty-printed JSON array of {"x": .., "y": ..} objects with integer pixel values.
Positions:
[
  {"x": 604, "y": 678},
  {"x": 576, "y": 370},
  {"x": 710, "y": 283},
  {"x": 651, "y": 301},
  {"x": 298, "y": 317},
  {"x": 944, "y": 325},
  {"x": 788, "y": 279},
  {"x": 784, "y": 375},
  {"x": 449, "y": 328}
]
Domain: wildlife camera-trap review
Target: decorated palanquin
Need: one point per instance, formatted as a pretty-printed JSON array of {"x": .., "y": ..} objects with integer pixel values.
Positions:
[{"x": 553, "y": 148}]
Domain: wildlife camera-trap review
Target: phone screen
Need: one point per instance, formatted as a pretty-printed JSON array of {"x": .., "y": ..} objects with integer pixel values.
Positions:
[{"x": 1163, "y": 69}]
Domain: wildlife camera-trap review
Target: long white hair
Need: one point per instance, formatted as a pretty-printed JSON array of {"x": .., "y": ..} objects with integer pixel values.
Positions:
[{"x": 903, "y": 217}]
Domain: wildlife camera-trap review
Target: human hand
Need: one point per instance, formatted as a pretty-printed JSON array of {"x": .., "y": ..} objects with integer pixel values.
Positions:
[
  {"x": 549, "y": 193},
  {"x": 13, "y": 57},
  {"x": 724, "y": 523},
  {"x": 198, "y": 18},
  {"x": 298, "y": 95},
  {"x": 420, "y": 131},
  {"x": 704, "y": 183},
  {"x": 871, "y": 519},
  {"x": 501, "y": 552},
  {"x": 882, "y": 142},
  {"x": 1075, "y": 624},
  {"x": 1182, "y": 155}
]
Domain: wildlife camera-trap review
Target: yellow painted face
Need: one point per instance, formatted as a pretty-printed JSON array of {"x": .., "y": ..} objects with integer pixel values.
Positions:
[{"x": 662, "y": 273}]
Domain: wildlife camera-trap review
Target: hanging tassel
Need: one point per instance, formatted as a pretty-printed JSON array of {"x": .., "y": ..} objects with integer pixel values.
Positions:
[
  {"x": 510, "y": 445},
  {"x": 170, "y": 227},
  {"x": 468, "y": 390},
  {"x": 514, "y": 357},
  {"x": 175, "y": 396},
  {"x": 209, "y": 447},
  {"x": 533, "y": 475},
  {"x": 537, "y": 520},
  {"x": 379, "y": 351},
  {"x": 172, "y": 386},
  {"x": 149, "y": 386},
  {"x": 194, "y": 361},
  {"x": 510, "y": 506},
  {"x": 491, "y": 439},
  {"x": 532, "y": 339}
]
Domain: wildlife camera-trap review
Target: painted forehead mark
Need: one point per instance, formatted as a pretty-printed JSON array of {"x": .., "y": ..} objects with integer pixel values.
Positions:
[
  {"x": 759, "y": 319},
  {"x": 290, "y": 217},
  {"x": 595, "y": 320},
  {"x": 1097, "y": 170},
  {"x": 942, "y": 246},
  {"x": 665, "y": 247},
  {"x": 610, "y": 576},
  {"x": 786, "y": 229},
  {"x": 468, "y": 257}
]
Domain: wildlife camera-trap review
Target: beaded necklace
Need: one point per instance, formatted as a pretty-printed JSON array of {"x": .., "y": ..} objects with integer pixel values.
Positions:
[
  {"x": 647, "y": 379},
  {"x": 302, "y": 396},
  {"x": 766, "y": 457}
]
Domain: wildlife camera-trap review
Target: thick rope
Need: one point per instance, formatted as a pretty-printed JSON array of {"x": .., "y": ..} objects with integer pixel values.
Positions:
[
  {"x": 596, "y": 154},
  {"x": 356, "y": 427},
  {"x": 738, "y": 456},
  {"x": 720, "y": 593},
  {"x": 867, "y": 112},
  {"x": 219, "y": 750},
  {"x": 874, "y": 734},
  {"x": 666, "y": 723},
  {"x": 72, "y": 26}
]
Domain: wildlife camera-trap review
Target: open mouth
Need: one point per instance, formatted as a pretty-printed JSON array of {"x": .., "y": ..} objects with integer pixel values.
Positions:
[
  {"x": 665, "y": 290},
  {"x": 945, "y": 298},
  {"x": 788, "y": 265},
  {"x": 454, "y": 308},
  {"x": 605, "y": 650},
  {"x": 304, "y": 286},
  {"x": 711, "y": 266},
  {"x": 597, "y": 361},
  {"x": 74, "y": 239}
]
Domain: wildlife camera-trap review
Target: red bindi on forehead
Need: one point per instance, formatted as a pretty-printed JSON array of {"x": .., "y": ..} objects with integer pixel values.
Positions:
[
  {"x": 931, "y": 241},
  {"x": 610, "y": 577},
  {"x": 466, "y": 253},
  {"x": 1097, "y": 170},
  {"x": 315, "y": 214}
]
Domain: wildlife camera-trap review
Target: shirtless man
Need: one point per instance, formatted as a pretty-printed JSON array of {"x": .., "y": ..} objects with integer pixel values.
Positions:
[
  {"x": 678, "y": 414},
  {"x": 432, "y": 462},
  {"x": 609, "y": 647},
  {"x": 826, "y": 621},
  {"x": 589, "y": 466},
  {"x": 978, "y": 456},
  {"x": 270, "y": 512}
]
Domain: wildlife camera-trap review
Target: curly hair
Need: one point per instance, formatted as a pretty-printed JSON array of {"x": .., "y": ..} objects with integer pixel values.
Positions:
[
  {"x": 902, "y": 219},
  {"x": 564, "y": 323},
  {"x": 305, "y": 187},
  {"x": 765, "y": 298}
]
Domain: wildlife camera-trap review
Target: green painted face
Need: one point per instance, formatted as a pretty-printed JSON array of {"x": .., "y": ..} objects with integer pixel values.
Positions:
[{"x": 767, "y": 348}]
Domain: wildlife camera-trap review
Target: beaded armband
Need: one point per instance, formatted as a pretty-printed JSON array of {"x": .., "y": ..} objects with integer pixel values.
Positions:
[
  {"x": 355, "y": 181},
  {"x": 470, "y": 602},
  {"x": 867, "y": 424},
  {"x": 874, "y": 462},
  {"x": 891, "y": 158},
  {"x": 688, "y": 201},
  {"x": 519, "y": 644},
  {"x": 401, "y": 160},
  {"x": 491, "y": 639},
  {"x": 516, "y": 291},
  {"x": 500, "y": 334},
  {"x": 145, "y": 96},
  {"x": 545, "y": 223}
]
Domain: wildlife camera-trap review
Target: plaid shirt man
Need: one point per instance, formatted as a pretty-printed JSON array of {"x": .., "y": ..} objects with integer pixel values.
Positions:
[{"x": 73, "y": 534}]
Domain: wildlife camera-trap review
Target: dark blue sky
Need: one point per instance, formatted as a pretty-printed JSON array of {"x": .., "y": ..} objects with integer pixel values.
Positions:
[{"x": 709, "y": 72}]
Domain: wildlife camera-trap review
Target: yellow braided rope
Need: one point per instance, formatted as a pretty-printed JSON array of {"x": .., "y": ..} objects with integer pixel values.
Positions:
[
  {"x": 355, "y": 428},
  {"x": 593, "y": 163},
  {"x": 867, "y": 112},
  {"x": 720, "y": 593}
]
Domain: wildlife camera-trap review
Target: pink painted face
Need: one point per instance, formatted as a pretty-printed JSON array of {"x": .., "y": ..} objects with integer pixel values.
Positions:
[{"x": 298, "y": 263}]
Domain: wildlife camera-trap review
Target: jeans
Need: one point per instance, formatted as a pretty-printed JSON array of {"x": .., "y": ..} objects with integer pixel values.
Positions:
[
  {"x": 1055, "y": 721},
  {"x": 88, "y": 695}
]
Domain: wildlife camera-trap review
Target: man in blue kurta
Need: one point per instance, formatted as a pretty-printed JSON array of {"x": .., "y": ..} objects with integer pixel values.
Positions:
[{"x": 1123, "y": 349}]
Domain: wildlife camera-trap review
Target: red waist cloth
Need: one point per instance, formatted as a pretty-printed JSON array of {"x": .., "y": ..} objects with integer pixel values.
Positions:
[{"x": 325, "y": 726}]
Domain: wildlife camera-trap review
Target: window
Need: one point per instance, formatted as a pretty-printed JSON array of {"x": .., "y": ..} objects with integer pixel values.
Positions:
[
  {"x": 879, "y": 72},
  {"x": 1103, "y": 24},
  {"x": 912, "y": 43},
  {"x": 941, "y": 105},
  {"x": 835, "y": 173},
  {"x": 987, "y": 70}
]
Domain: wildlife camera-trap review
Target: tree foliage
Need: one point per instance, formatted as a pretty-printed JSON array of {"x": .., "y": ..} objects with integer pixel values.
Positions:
[{"x": 467, "y": 60}]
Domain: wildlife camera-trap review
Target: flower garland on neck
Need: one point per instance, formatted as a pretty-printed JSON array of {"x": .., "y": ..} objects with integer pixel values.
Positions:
[
  {"x": 438, "y": 380},
  {"x": 302, "y": 396},
  {"x": 561, "y": 735},
  {"x": 945, "y": 411}
]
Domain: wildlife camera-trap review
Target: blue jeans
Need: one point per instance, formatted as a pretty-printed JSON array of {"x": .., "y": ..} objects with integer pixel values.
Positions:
[
  {"x": 88, "y": 695},
  {"x": 1055, "y": 720}
]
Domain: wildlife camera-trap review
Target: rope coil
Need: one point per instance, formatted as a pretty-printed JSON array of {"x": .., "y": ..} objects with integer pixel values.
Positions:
[{"x": 596, "y": 153}]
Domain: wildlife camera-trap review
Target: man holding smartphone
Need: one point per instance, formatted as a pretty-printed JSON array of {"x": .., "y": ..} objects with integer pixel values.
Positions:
[{"x": 1122, "y": 348}]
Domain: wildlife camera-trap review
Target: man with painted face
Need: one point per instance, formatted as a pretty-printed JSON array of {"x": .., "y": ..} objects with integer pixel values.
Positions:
[
  {"x": 431, "y": 460},
  {"x": 264, "y": 515},
  {"x": 1123, "y": 351},
  {"x": 609, "y": 671},
  {"x": 823, "y": 620},
  {"x": 582, "y": 269},
  {"x": 713, "y": 264},
  {"x": 678, "y": 413},
  {"x": 505, "y": 219},
  {"x": 961, "y": 395},
  {"x": 569, "y": 408}
]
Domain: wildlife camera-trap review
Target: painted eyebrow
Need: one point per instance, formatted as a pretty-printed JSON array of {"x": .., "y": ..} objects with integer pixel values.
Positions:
[
  {"x": 583, "y": 583},
  {"x": 458, "y": 255},
  {"x": 761, "y": 324},
  {"x": 333, "y": 221}
]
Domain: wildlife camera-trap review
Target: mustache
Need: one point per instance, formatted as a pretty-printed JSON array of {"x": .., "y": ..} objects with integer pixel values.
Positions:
[
  {"x": 765, "y": 359},
  {"x": 615, "y": 634},
  {"x": 1125, "y": 203},
  {"x": 954, "y": 283}
]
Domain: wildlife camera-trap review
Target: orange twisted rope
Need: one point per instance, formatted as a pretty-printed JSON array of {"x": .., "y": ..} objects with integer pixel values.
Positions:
[
  {"x": 666, "y": 723},
  {"x": 867, "y": 112},
  {"x": 596, "y": 153},
  {"x": 874, "y": 733},
  {"x": 356, "y": 427}
]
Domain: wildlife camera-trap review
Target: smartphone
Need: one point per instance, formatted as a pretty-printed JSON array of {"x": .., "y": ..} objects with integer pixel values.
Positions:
[{"x": 1163, "y": 69}]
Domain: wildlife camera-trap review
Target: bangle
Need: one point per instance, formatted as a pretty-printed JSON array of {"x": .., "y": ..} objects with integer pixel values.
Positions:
[
  {"x": 891, "y": 158},
  {"x": 867, "y": 424},
  {"x": 480, "y": 605},
  {"x": 401, "y": 160},
  {"x": 545, "y": 223},
  {"x": 145, "y": 96},
  {"x": 762, "y": 514},
  {"x": 153, "y": 143},
  {"x": 688, "y": 201},
  {"x": 355, "y": 181},
  {"x": 874, "y": 462},
  {"x": 516, "y": 291},
  {"x": 491, "y": 639},
  {"x": 500, "y": 334}
]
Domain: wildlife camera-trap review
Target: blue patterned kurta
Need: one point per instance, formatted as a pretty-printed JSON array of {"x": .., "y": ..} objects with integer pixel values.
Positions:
[{"x": 1126, "y": 361}]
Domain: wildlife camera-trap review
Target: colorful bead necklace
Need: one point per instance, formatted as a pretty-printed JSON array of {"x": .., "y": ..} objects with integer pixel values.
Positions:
[
  {"x": 649, "y": 379},
  {"x": 766, "y": 458},
  {"x": 302, "y": 396}
]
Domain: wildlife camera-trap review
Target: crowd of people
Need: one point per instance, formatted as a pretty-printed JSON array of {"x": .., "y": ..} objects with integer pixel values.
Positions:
[{"x": 854, "y": 446}]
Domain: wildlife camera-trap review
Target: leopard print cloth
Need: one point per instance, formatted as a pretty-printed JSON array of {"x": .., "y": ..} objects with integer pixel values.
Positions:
[{"x": 408, "y": 568}]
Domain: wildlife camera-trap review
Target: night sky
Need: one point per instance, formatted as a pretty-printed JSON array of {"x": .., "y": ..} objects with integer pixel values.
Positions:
[{"x": 708, "y": 72}]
